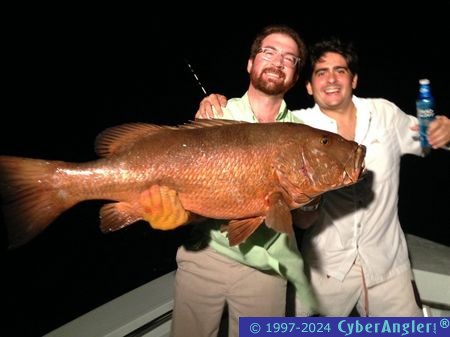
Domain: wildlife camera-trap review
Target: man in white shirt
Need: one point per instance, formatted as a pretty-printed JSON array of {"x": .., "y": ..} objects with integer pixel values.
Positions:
[{"x": 356, "y": 251}]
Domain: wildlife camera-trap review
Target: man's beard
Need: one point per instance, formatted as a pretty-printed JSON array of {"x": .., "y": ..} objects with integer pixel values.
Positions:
[{"x": 269, "y": 87}]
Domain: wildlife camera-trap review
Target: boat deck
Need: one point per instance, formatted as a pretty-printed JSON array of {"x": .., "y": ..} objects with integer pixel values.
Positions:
[{"x": 146, "y": 310}]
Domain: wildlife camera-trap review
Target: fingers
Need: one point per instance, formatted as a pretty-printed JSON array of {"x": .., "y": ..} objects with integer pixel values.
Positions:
[
  {"x": 162, "y": 208},
  {"x": 205, "y": 110},
  {"x": 217, "y": 101},
  {"x": 176, "y": 214},
  {"x": 439, "y": 132},
  {"x": 211, "y": 107},
  {"x": 151, "y": 199},
  {"x": 222, "y": 100}
]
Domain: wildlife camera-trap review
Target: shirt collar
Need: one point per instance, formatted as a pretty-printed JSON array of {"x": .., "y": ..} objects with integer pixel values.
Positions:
[
  {"x": 363, "y": 119},
  {"x": 281, "y": 113}
]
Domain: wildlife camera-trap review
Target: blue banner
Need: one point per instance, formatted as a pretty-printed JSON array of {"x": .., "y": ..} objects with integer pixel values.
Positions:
[{"x": 343, "y": 326}]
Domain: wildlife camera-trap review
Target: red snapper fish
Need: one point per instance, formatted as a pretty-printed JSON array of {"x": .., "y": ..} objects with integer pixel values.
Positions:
[{"x": 247, "y": 173}]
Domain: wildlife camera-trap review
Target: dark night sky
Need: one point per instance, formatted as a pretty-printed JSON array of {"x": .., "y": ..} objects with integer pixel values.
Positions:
[{"x": 69, "y": 76}]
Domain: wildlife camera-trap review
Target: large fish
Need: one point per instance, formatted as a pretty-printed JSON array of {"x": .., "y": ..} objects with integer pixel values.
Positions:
[{"x": 247, "y": 173}]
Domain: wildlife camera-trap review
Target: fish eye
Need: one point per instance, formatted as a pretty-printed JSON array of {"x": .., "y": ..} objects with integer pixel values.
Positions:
[{"x": 324, "y": 140}]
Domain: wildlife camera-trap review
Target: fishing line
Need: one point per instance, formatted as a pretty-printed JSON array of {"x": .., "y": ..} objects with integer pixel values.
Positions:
[{"x": 196, "y": 77}]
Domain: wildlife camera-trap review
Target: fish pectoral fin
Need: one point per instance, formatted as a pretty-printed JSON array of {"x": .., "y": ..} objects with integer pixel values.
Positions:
[
  {"x": 117, "y": 215},
  {"x": 240, "y": 230},
  {"x": 278, "y": 215}
]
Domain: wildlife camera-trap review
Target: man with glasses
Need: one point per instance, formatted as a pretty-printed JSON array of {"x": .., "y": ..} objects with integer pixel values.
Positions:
[{"x": 249, "y": 279}]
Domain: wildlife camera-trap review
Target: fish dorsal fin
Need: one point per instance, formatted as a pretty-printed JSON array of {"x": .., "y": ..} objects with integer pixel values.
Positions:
[
  {"x": 278, "y": 215},
  {"x": 117, "y": 139},
  {"x": 240, "y": 230},
  {"x": 204, "y": 123}
]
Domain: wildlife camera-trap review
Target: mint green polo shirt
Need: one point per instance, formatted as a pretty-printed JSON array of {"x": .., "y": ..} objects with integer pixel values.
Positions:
[{"x": 266, "y": 249}]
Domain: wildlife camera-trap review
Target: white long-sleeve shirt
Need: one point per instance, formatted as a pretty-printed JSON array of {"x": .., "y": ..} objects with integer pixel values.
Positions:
[{"x": 362, "y": 219}]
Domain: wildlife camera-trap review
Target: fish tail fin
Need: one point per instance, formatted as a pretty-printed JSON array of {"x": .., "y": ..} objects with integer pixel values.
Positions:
[{"x": 29, "y": 201}]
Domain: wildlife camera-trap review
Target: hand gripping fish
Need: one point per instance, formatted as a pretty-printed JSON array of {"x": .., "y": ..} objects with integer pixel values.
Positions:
[{"x": 245, "y": 173}]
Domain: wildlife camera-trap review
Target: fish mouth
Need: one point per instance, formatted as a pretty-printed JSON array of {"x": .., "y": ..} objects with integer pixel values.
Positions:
[{"x": 355, "y": 167}]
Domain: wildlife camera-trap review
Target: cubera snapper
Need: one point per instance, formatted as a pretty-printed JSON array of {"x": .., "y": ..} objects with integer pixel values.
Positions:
[{"x": 247, "y": 173}]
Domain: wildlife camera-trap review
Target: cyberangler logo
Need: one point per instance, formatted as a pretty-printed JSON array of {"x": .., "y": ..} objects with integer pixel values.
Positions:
[{"x": 385, "y": 327}]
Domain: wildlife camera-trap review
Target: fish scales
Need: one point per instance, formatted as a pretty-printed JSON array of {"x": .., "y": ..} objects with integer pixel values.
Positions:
[{"x": 229, "y": 170}]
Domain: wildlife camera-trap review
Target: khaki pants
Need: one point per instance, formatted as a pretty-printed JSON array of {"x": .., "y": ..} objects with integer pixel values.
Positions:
[
  {"x": 394, "y": 297},
  {"x": 206, "y": 281}
]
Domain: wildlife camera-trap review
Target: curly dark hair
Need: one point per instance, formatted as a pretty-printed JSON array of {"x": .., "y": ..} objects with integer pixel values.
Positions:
[{"x": 333, "y": 45}]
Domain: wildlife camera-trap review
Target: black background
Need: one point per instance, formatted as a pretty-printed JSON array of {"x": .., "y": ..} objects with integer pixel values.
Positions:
[{"x": 71, "y": 72}]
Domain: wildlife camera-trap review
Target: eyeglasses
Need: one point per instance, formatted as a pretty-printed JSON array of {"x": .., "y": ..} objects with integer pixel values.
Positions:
[{"x": 288, "y": 59}]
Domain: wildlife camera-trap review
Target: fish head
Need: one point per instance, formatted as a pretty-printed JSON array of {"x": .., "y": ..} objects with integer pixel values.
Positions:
[{"x": 328, "y": 161}]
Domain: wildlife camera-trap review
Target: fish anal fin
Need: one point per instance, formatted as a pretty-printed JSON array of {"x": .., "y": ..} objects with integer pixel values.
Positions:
[
  {"x": 240, "y": 230},
  {"x": 278, "y": 216},
  {"x": 117, "y": 215}
]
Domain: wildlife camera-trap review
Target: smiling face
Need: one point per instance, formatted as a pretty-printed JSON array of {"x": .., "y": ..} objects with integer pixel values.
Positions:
[
  {"x": 332, "y": 82},
  {"x": 275, "y": 76}
]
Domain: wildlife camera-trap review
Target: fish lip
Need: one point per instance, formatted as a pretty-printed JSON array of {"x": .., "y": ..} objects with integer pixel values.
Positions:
[
  {"x": 360, "y": 162},
  {"x": 353, "y": 173},
  {"x": 363, "y": 174}
]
